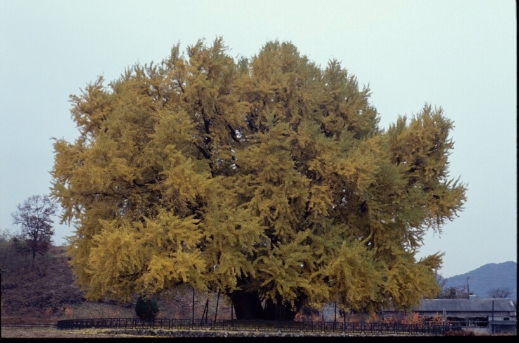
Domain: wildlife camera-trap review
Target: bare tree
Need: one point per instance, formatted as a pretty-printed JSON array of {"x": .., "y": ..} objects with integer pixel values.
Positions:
[
  {"x": 459, "y": 292},
  {"x": 499, "y": 292},
  {"x": 34, "y": 218}
]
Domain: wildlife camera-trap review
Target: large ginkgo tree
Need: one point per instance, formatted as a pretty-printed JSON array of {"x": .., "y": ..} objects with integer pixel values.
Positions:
[{"x": 265, "y": 179}]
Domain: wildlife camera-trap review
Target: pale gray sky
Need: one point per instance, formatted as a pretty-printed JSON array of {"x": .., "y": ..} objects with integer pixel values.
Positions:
[{"x": 460, "y": 55}]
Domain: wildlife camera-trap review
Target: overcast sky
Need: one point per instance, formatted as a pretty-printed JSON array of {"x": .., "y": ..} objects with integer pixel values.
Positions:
[{"x": 458, "y": 55}]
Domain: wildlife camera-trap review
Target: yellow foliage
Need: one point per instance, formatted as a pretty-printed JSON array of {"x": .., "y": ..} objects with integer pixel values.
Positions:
[{"x": 266, "y": 175}]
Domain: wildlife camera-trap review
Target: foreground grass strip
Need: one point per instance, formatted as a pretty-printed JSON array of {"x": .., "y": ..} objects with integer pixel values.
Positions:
[{"x": 45, "y": 332}]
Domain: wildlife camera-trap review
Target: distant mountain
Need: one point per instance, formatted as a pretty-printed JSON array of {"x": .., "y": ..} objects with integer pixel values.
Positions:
[{"x": 487, "y": 277}]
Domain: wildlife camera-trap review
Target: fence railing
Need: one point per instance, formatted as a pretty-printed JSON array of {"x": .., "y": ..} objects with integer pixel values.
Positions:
[{"x": 259, "y": 325}]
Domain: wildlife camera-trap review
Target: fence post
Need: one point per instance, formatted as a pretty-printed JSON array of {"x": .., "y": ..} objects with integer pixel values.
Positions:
[
  {"x": 193, "y": 308},
  {"x": 232, "y": 308},
  {"x": 216, "y": 310},
  {"x": 334, "y": 315}
]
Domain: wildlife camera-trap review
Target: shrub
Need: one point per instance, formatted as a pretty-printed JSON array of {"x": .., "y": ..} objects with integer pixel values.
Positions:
[
  {"x": 412, "y": 318},
  {"x": 459, "y": 333}
]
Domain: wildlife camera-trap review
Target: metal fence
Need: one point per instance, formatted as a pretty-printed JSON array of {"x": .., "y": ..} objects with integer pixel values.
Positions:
[{"x": 260, "y": 325}]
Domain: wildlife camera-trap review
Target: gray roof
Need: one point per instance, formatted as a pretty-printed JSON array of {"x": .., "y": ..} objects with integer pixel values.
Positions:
[{"x": 466, "y": 305}]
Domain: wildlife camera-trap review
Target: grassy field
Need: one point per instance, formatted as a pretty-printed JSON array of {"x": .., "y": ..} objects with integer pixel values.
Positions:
[
  {"x": 39, "y": 332},
  {"x": 49, "y": 332}
]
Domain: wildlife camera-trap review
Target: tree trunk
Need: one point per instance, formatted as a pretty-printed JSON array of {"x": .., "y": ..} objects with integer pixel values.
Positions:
[
  {"x": 248, "y": 306},
  {"x": 277, "y": 310}
]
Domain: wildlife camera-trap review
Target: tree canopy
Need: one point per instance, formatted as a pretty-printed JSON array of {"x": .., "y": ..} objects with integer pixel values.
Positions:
[
  {"x": 266, "y": 179},
  {"x": 34, "y": 219}
]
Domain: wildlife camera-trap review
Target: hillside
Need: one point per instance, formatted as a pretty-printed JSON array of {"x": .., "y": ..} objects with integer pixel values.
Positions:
[
  {"x": 487, "y": 277},
  {"x": 47, "y": 290},
  {"x": 44, "y": 287}
]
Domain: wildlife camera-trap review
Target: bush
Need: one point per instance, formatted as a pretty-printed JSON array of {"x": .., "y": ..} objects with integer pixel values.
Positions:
[
  {"x": 459, "y": 333},
  {"x": 146, "y": 309}
]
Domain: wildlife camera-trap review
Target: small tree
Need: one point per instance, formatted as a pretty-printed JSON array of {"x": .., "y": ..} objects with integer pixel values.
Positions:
[
  {"x": 146, "y": 309},
  {"x": 499, "y": 292},
  {"x": 34, "y": 218}
]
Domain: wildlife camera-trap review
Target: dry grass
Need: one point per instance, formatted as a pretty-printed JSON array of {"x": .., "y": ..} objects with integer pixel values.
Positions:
[
  {"x": 53, "y": 332},
  {"x": 45, "y": 332}
]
